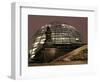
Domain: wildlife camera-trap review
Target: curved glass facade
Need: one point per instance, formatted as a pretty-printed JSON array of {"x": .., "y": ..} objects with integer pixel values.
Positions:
[{"x": 54, "y": 34}]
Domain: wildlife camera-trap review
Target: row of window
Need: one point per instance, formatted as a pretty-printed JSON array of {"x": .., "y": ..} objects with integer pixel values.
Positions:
[
  {"x": 65, "y": 40},
  {"x": 39, "y": 40},
  {"x": 60, "y": 35}
]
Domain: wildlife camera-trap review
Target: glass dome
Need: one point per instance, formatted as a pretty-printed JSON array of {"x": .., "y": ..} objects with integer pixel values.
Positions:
[{"x": 54, "y": 33}]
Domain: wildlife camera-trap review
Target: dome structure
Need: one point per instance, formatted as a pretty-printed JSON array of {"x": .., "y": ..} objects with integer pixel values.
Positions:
[{"x": 52, "y": 35}]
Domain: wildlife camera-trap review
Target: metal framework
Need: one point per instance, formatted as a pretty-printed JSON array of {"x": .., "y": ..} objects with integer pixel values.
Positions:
[{"x": 54, "y": 33}]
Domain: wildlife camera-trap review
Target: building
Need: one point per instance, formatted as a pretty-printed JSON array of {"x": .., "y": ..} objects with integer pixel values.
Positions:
[{"x": 53, "y": 40}]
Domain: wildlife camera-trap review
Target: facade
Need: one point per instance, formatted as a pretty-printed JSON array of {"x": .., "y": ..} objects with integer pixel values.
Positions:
[{"x": 53, "y": 40}]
